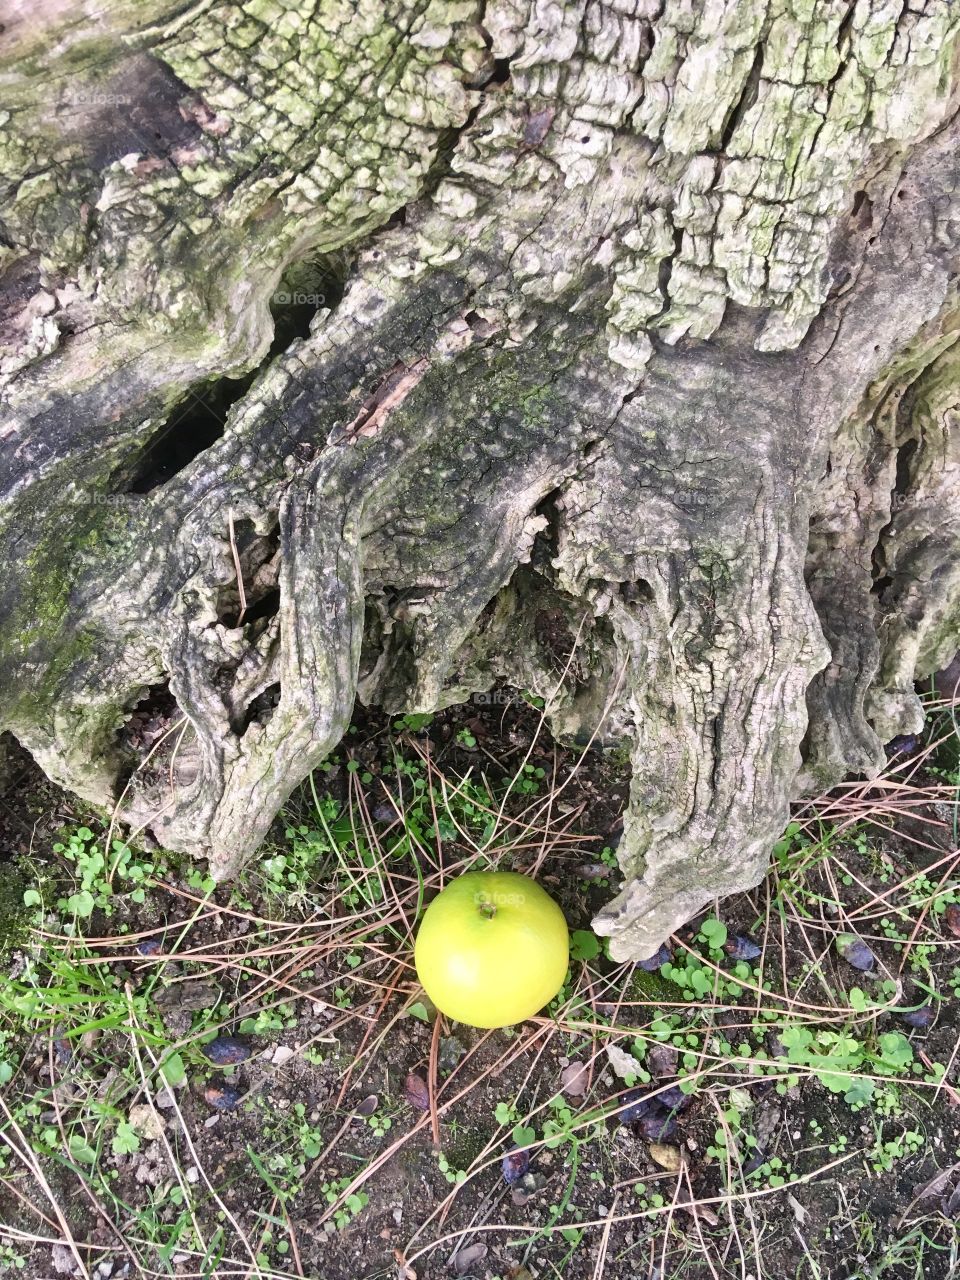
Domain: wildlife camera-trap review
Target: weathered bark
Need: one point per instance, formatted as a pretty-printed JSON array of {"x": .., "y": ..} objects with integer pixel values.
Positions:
[{"x": 661, "y": 354}]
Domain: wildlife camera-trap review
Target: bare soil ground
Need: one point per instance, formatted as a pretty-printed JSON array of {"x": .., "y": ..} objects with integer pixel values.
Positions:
[{"x": 804, "y": 1038}]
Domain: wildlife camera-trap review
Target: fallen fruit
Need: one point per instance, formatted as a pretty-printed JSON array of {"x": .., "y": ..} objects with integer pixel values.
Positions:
[
  {"x": 739, "y": 947},
  {"x": 226, "y": 1051},
  {"x": 492, "y": 949},
  {"x": 222, "y": 1097},
  {"x": 515, "y": 1164},
  {"x": 662, "y": 956},
  {"x": 922, "y": 1018},
  {"x": 658, "y": 1124},
  {"x": 856, "y": 952}
]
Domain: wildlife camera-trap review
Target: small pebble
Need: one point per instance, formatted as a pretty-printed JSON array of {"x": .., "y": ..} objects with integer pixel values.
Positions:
[
  {"x": 226, "y": 1051},
  {"x": 149, "y": 947},
  {"x": 193, "y": 1174}
]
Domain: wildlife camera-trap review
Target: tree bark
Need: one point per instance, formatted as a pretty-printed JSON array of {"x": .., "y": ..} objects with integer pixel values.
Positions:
[{"x": 399, "y": 348}]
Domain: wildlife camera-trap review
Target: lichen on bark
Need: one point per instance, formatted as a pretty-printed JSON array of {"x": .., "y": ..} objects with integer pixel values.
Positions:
[{"x": 648, "y": 320}]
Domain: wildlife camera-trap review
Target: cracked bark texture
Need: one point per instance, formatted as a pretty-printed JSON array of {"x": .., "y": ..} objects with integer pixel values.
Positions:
[{"x": 648, "y": 329}]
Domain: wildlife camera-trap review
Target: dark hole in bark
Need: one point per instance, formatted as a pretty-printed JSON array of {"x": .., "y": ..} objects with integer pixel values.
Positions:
[
  {"x": 501, "y": 71},
  {"x": 262, "y": 707},
  {"x": 259, "y": 556},
  {"x": 306, "y": 286},
  {"x": 899, "y": 498},
  {"x": 154, "y": 714},
  {"x": 638, "y": 592},
  {"x": 268, "y": 606},
  {"x": 647, "y": 41},
  {"x": 552, "y": 630},
  {"x": 862, "y": 212},
  {"x": 905, "y": 457},
  {"x": 195, "y": 424},
  {"x": 545, "y": 544}
]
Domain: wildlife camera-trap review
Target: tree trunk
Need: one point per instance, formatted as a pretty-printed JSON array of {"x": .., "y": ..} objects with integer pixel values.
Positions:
[{"x": 401, "y": 347}]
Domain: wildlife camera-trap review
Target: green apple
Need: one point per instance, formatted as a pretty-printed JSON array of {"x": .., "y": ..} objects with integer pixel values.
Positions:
[{"x": 492, "y": 949}]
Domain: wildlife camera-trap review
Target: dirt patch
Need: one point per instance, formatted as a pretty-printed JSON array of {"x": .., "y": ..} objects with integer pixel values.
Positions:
[{"x": 756, "y": 1106}]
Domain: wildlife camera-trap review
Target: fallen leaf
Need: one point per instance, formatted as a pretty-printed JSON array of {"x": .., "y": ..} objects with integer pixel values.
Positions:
[
  {"x": 937, "y": 1184},
  {"x": 593, "y": 871},
  {"x": 666, "y": 1156},
  {"x": 662, "y": 1060},
  {"x": 698, "y": 1210},
  {"x": 695, "y": 1208},
  {"x": 573, "y": 1079},
  {"x": 740, "y": 1098},
  {"x": 624, "y": 1064},
  {"x": 799, "y": 1212},
  {"x": 464, "y": 1259},
  {"x": 416, "y": 1092},
  {"x": 951, "y": 918},
  {"x": 188, "y": 995}
]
